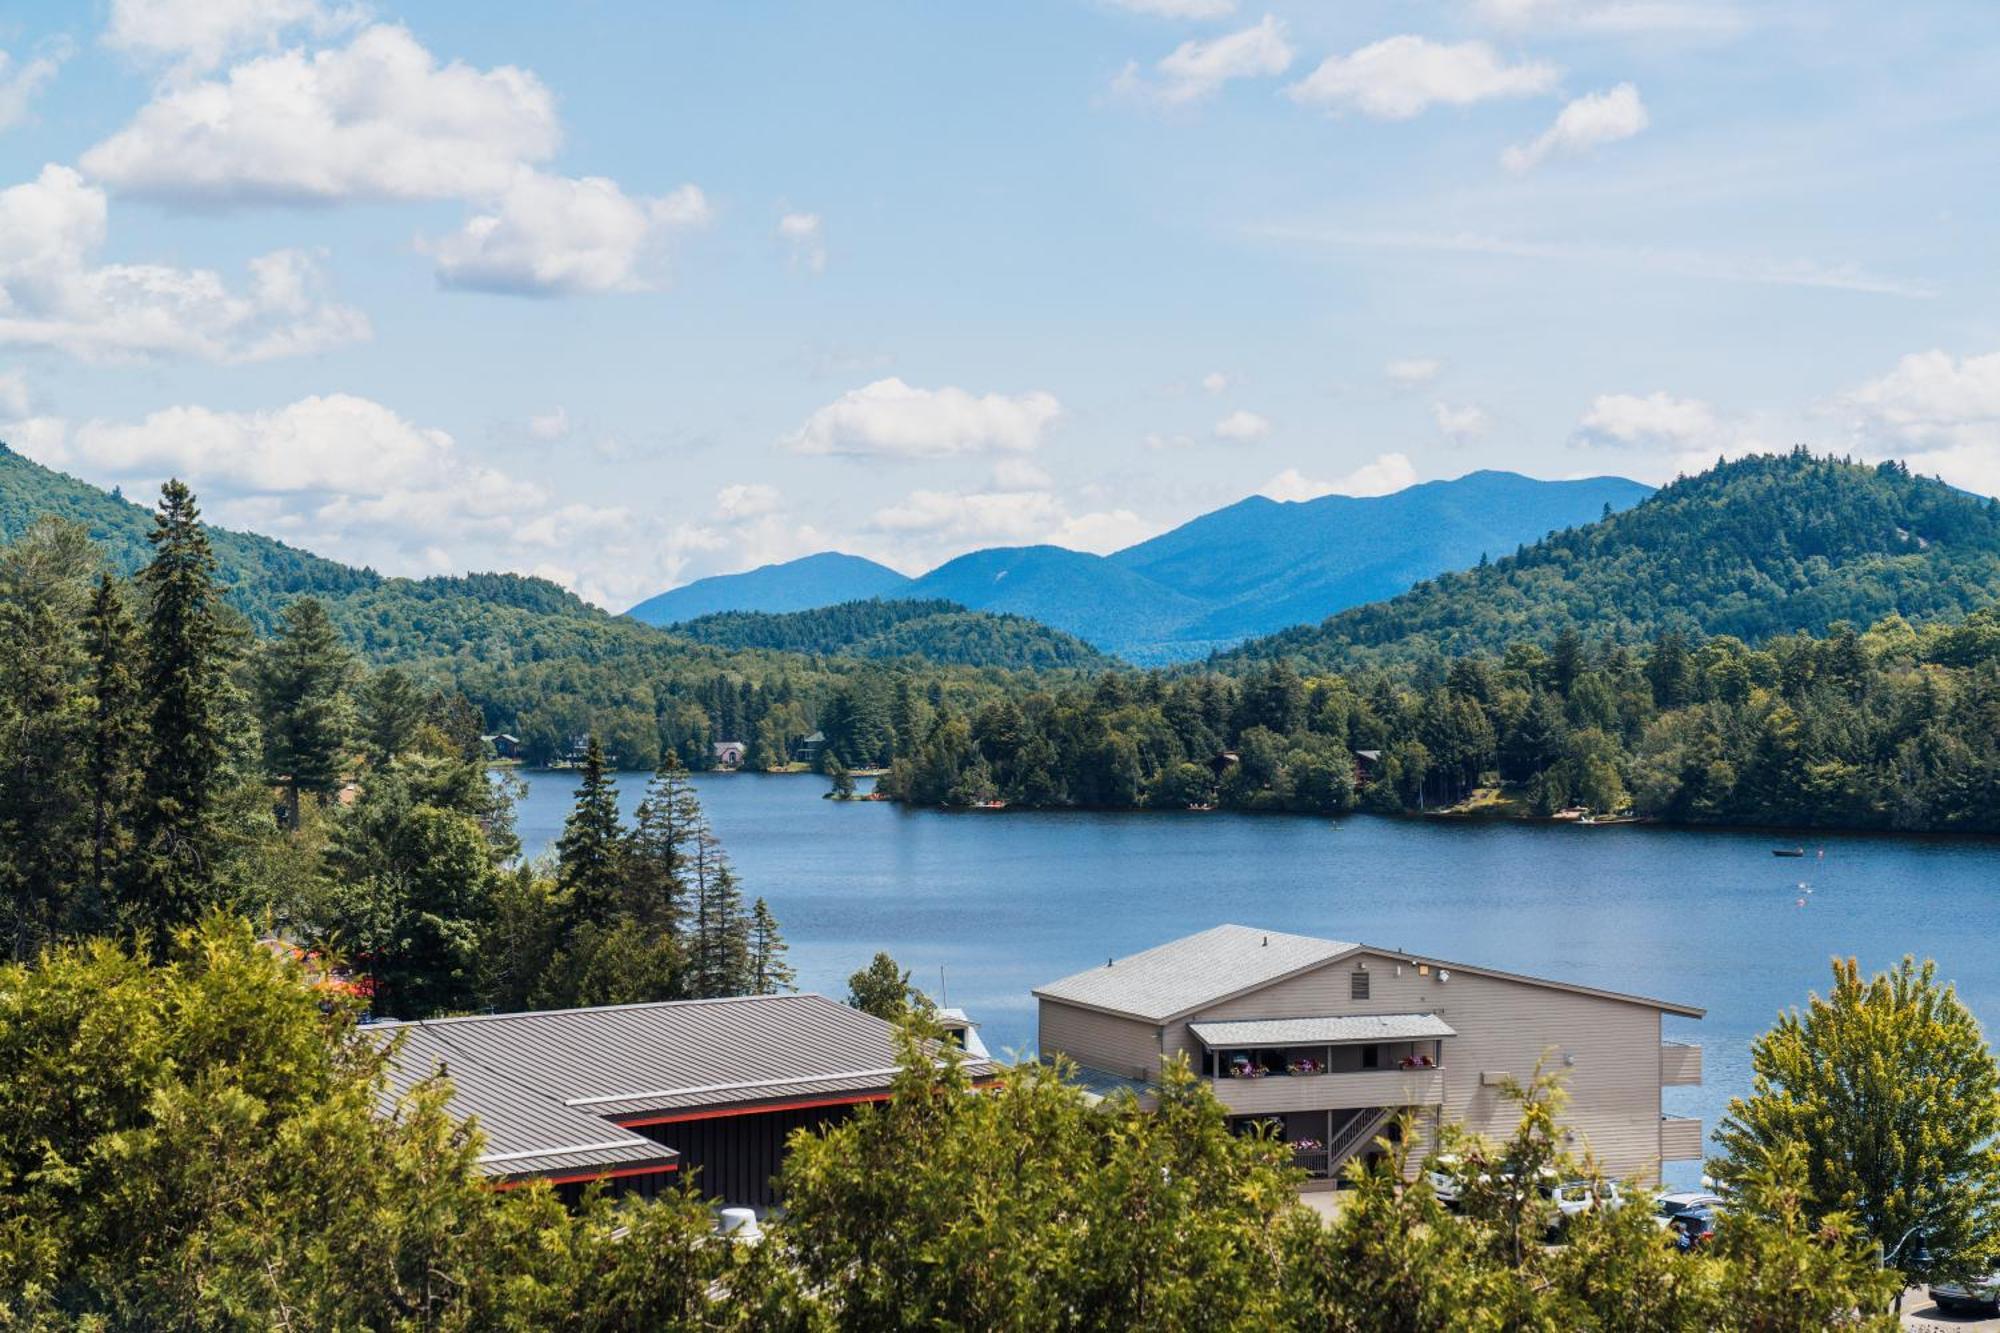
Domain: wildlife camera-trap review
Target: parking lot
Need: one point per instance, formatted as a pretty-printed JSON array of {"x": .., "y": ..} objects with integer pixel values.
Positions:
[{"x": 1918, "y": 1312}]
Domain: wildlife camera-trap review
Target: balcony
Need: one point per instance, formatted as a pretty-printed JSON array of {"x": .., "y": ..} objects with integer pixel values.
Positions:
[
  {"x": 1320, "y": 1092},
  {"x": 1680, "y": 1139},
  {"x": 1680, "y": 1064}
]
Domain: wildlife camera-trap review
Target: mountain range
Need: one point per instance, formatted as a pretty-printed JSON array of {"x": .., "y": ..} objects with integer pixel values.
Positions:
[
  {"x": 1250, "y": 569},
  {"x": 1756, "y": 547}
]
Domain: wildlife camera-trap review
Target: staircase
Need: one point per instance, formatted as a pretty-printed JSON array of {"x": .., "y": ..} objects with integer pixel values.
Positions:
[{"x": 1359, "y": 1130}]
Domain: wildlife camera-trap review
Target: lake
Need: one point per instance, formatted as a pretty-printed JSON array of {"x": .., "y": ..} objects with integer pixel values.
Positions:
[{"x": 983, "y": 906}]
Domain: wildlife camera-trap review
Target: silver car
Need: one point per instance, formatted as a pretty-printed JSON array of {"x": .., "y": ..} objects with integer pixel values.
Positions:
[{"x": 1968, "y": 1295}]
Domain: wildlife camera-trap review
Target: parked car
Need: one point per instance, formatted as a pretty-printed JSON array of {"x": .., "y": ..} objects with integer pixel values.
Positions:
[
  {"x": 1692, "y": 1228},
  {"x": 1575, "y": 1197},
  {"x": 1671, "y": 1204},
  {"x": 1969, "y": 1295}
]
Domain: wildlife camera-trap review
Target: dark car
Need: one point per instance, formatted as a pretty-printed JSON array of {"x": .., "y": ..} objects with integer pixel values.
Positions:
[
  {"x": 1968, "y": 1295},
  {"x": 1692, "y": 1228}
]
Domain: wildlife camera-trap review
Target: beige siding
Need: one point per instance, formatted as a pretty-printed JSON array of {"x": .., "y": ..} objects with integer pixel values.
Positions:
[
  {"x": 1383, "y": 1087},
  {"x": 1122, "y": 1046},
  {"x": 1613, "y": 1048},
  {"x": 1680, "y": 1140},
  {"x": 1680, "y": 1065}
]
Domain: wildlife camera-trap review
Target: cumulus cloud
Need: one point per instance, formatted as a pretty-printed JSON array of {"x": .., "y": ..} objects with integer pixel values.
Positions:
[
  {"x": 892, "y": 419},
  {"x": 1401, "y": 77},
  {"x": 551, "y": 235},
  {"x": 1243, "y": 427},
  {"x": 804, "y": 238},
  {"x": 1195, "y": 70},
  {"x": 1686, "y": 18},
  {"x": 16, "y": 398},
  {"x": 201, "y": 34},
  {"x": 1633, "y": 418},
  {"x": 379, "y": 118},
  {"x": 52, "y": 295},
  {"x": 21, "y": 83},
  {"x": 1382, "y": 475},
  {"x": 1940, "y": 412},
  {"x": 1460, "y": 423},
  {"x": 1179, "y": 9},
  {"x": 927, "y": 526},
  {"x": 1584, "y": 124},
  {"x": 1215, "y": 381},
  {"x": 1412, "y": 371},
  {"x": 549, "y": 426}
]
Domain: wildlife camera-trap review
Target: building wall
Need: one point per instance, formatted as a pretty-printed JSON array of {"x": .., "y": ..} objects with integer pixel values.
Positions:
[
  {"x": 1503, "y": 1027},
  {"x": 735, "y": 1159},
  {"x": 1122, "y": 1046}
]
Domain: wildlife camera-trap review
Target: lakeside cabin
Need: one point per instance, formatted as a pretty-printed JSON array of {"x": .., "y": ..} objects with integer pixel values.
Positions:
[
  {"x": 641, "y": 1095},
  {"x": 728, "y": 755},
  {"x": 1325, "y": 1041}
]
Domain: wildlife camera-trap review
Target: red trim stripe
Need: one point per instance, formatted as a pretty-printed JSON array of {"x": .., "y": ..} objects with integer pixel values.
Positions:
[
  {"x": 590, "y": 1175},
  {"x": 739, "y": 1108}
]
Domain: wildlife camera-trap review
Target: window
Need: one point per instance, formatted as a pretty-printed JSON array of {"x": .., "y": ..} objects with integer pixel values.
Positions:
[
  {"x": 1357, "y": 986},
  {"x": 1371, "y": 1057}
]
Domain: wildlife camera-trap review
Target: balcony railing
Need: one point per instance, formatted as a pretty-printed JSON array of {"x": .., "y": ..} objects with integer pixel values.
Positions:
[
  {"x": 1315, "y": 1092},
  {"x": 1680, "y": 1064},
  {"x": 1680, "y": 1139}
]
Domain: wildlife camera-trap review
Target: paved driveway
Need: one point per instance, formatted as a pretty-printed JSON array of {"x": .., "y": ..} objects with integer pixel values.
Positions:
[{"x": 1919, "y": 1312}]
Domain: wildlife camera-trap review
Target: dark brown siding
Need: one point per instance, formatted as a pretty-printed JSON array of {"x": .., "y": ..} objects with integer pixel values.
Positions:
[{"x": 736, "y": 1158}]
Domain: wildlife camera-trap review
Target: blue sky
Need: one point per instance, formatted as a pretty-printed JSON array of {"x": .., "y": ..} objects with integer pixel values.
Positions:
[{"x": 630, "y": 293}]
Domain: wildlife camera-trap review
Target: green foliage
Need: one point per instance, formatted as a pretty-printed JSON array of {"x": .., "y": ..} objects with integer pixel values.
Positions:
[
  {"x": 933, "y": 631},
  {"x": 883, "y": 989},
  {"x": 1754, "y": 548},
  {"x": 1888, "y": 1093},
  {"x": 303, "y": 679}
]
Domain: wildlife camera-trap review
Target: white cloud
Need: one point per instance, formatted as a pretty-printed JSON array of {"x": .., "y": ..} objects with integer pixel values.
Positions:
[
  {"x": 928, "y": 526},
  {"x": 1179, "y": 9},
  {"x": 1631, "y": 418},
  {"x": 20, "y": 84},
  {"x": 552, "y": 235},
  {"x": 1590, "y": 120},
  {"x": 1215, "y": 381},
  {"x": 1686, "y": 18},
  {"x": 1460, "y": 423},
  {"x": 1196, "y": 69},
  {"x": 1158, "y": 441},
  {"x": 1401, "y": 77},
  {"x": 748, "y": 500},
  {"x": 892, "y": 419},
  {"x": 1382, "y": 475},
  {"x": 1412, "y": 371},
  {"x": 201, "y": 34},
  {"x": 1020, "y": 474},
  {"x": 1243, "y": 427},
  {"x": 50, "y": 295},
  {"x": 16, "y": 399},
  {"x": 549, "y": 426},
  {"x": 804, "y": 236},
  {"x": 1939, "y": 412},
  {"x": 379, "y": 118}
]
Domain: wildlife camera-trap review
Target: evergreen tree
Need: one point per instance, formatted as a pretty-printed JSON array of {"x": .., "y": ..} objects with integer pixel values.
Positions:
[
  {"x": 590, "y": 854},
  {"x": 667, "y": 826},
  {"x": 302, "y": 678},
  {"x": 719, "y": 957},
  {"x": 392, "y": 708},
  {"x": 769, "y": 972},
  {"x": 184, "y": 681},
  {"x": 882, "y": 989},
  {"x": 842, "y": 781},
  {"x": 115, "y": 744}
]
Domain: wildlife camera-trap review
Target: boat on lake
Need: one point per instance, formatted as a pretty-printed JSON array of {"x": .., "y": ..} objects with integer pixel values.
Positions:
[{"x": 1788, "y": 851}]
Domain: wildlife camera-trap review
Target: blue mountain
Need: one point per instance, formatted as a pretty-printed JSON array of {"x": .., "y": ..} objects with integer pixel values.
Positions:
[{"x": 826, "y": 579}]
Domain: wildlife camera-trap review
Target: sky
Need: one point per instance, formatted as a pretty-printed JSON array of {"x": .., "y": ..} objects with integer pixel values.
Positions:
[{"x": 627, "y": 293}]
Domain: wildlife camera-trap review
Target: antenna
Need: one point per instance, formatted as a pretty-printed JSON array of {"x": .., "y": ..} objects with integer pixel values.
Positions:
[{"x": 944, "y": 989}]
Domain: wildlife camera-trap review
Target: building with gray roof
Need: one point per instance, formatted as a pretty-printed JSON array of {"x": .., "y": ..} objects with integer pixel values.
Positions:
[{"x": 635, "y": 1093}]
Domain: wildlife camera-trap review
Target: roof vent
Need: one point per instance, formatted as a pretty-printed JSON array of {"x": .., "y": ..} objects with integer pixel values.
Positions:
[
  {"x": 1267, "y": 941},
  {"x": 1107, "y": 962}
]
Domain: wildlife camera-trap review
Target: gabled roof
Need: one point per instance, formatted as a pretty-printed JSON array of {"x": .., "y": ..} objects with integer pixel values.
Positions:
[
  {"x": 1182, "y": 975},
  {"x": 556, "y": 1082}
]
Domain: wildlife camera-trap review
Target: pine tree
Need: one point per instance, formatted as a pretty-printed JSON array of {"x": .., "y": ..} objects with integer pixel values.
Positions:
[
  {"x": 115, "y": 744},
  {"x": 720, "y": 957},
  {"x": 668, "y": 824},
  {"x": 769, "y": 972},
  {"x": 303, "y": 680},
  {"x": 42, "y": 589},
  {"x": 590, "y": 854},
  {"x": 392, "y": 708},
  {"x": 184, "y": 681}
]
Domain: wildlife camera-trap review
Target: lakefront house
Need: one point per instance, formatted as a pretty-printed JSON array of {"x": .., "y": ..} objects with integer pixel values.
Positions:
[{"x": 1326, "y": 1041}]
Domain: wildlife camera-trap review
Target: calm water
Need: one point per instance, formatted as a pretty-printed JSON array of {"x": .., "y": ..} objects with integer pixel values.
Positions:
[{"x": 1005, "y": 901}]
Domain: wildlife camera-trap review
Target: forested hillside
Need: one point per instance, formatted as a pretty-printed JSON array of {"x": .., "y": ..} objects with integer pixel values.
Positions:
[
  {"x": 1762, "y": 546},
  {"x": 932, "y": 629}
]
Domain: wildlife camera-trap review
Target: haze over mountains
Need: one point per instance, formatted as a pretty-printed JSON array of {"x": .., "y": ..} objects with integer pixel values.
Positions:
[{"x": 1253, "y": 568}]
